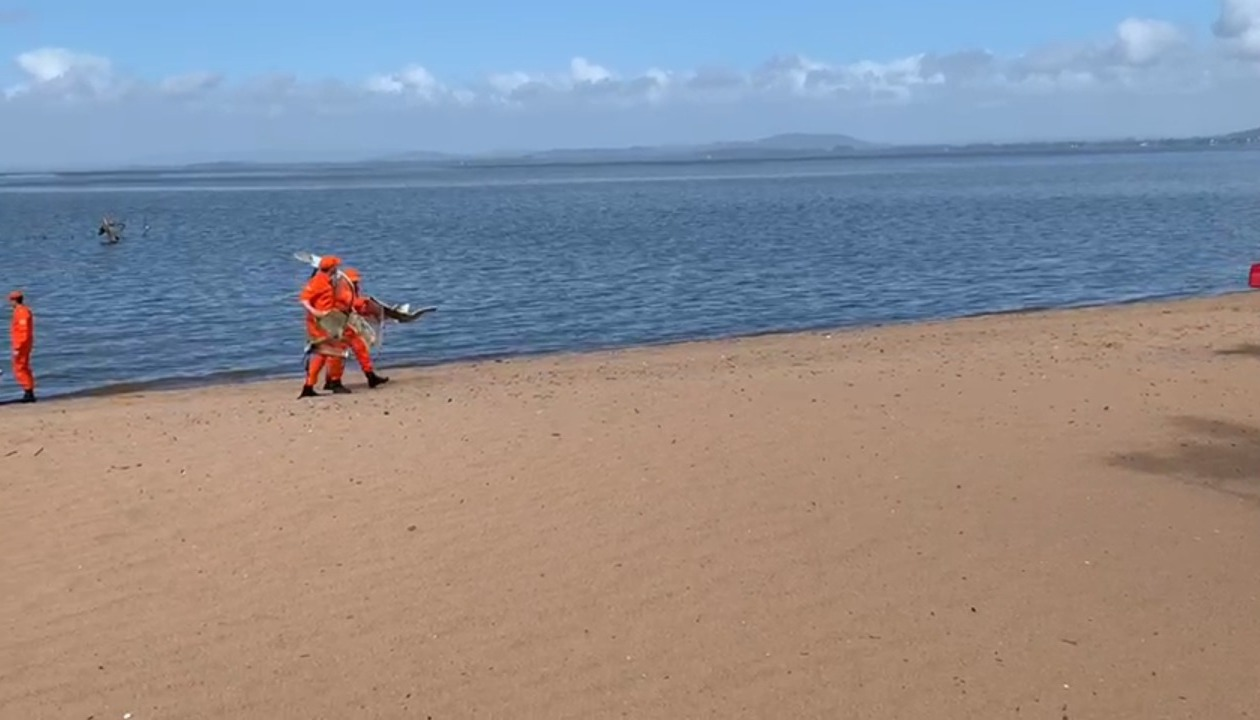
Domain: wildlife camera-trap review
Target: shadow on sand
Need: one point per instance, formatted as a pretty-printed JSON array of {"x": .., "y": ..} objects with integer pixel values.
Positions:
[
  {"x": 1216, "y": 454},
  {"x": 1245, "y": 350}
]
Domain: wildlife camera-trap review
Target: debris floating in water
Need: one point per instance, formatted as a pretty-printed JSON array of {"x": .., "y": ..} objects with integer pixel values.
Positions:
[{"x": 111, "y": 229}]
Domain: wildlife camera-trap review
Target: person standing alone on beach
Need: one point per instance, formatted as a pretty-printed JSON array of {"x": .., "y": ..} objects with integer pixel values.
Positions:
[{"x": 22, "y": 333}]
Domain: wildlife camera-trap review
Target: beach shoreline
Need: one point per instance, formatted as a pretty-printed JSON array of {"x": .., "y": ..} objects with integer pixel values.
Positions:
[
  {"x": 236, "y": 378},
  {"x": 1020, "y": 515}
]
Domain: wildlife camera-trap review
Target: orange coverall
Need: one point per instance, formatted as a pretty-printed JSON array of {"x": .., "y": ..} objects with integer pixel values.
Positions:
[
  {"x": 347, "y": 300},
  {"x": 320, "y": 292},
  {"x": 22, "y": 332}
]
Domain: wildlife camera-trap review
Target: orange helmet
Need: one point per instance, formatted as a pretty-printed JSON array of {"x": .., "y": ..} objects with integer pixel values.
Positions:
[
  {"x": 328, "y": 262},
  {"x": 351, "y": 274}
]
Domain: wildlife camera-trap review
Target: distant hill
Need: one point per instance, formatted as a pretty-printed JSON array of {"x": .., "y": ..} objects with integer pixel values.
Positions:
[
  {"x": 775, "y": 147},
  {"x": 1242, "y": 136},
  {"x": 788, "y": 144},
  {"x": 821, "y": 146},
  {"x": 419, "y": 156},
  {"x": 793, "y": 141}
]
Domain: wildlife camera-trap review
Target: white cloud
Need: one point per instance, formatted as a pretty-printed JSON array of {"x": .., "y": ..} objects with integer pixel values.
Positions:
[
  {"x": 414, "y": 80},
  {"x": 1135, "y": 81},
  {"x": 1129, "y": 58},
  {"x": 585, "y": 71},
  {"x": 584, "y": 79},
  {"x": 64, "y": 73},
  {"x": 1141, "y": 42},
  {"x": 1239, "y": 27}
]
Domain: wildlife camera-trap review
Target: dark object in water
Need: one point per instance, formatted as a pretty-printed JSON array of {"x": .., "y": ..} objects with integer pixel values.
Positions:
[{"x": 111, "y": 230}]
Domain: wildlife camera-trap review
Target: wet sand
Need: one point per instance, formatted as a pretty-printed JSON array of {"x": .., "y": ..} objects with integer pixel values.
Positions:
[{"x": 1026, "y": 516}]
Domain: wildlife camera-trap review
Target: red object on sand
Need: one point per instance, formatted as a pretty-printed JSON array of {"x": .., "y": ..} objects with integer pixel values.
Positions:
[{"x": 1254, "y": 279}]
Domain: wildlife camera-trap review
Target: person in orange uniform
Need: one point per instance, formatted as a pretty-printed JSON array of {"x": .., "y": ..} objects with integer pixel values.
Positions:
[
  {"x": 22, "y": 332},
  {"x": 348, "y": 300},
  {"x": 319, "y": 299}
]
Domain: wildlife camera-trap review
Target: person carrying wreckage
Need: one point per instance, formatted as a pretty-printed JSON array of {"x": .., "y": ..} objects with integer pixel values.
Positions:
[
  {"x": 340, "y": 321},
  {"x": 357, "y": 332},
  {"x": 325, "y": 325}
]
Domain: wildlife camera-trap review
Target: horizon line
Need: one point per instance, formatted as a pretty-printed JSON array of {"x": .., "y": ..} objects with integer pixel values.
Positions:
[{"x": 852, "y": 144}]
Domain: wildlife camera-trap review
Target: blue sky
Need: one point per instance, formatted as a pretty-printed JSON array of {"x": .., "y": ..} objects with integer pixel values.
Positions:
[
  {"x": 323, "y": 38},
  {"x": 336, "y": 77}
]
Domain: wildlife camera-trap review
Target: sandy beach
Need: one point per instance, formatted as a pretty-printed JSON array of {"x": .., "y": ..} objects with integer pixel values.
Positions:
[{"x": 1053, "y": 515}]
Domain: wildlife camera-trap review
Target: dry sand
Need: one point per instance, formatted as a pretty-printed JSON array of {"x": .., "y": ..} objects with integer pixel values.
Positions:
[{"x": 1038, "y": 516}]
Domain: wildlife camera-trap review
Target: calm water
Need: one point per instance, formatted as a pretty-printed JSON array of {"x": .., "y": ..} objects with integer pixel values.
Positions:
[{"x": 532, "y": 260}]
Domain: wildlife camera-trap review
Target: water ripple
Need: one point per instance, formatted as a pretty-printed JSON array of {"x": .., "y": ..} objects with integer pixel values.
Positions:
[{"x": 526, "y": 260}]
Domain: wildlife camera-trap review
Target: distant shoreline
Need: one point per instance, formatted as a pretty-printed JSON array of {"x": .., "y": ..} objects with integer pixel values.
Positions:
[
  {"x": 846, "y": 149},
  {"x": 891, "y": 154}
]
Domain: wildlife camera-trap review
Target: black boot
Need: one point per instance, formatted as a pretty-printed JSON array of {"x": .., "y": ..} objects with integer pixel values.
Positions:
[
  {"x": 375, "y": 380},
  {"x": 308, "y": 391},
  {"x": 335, "y": 387},
  {"x": 28, "y": 396}
]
